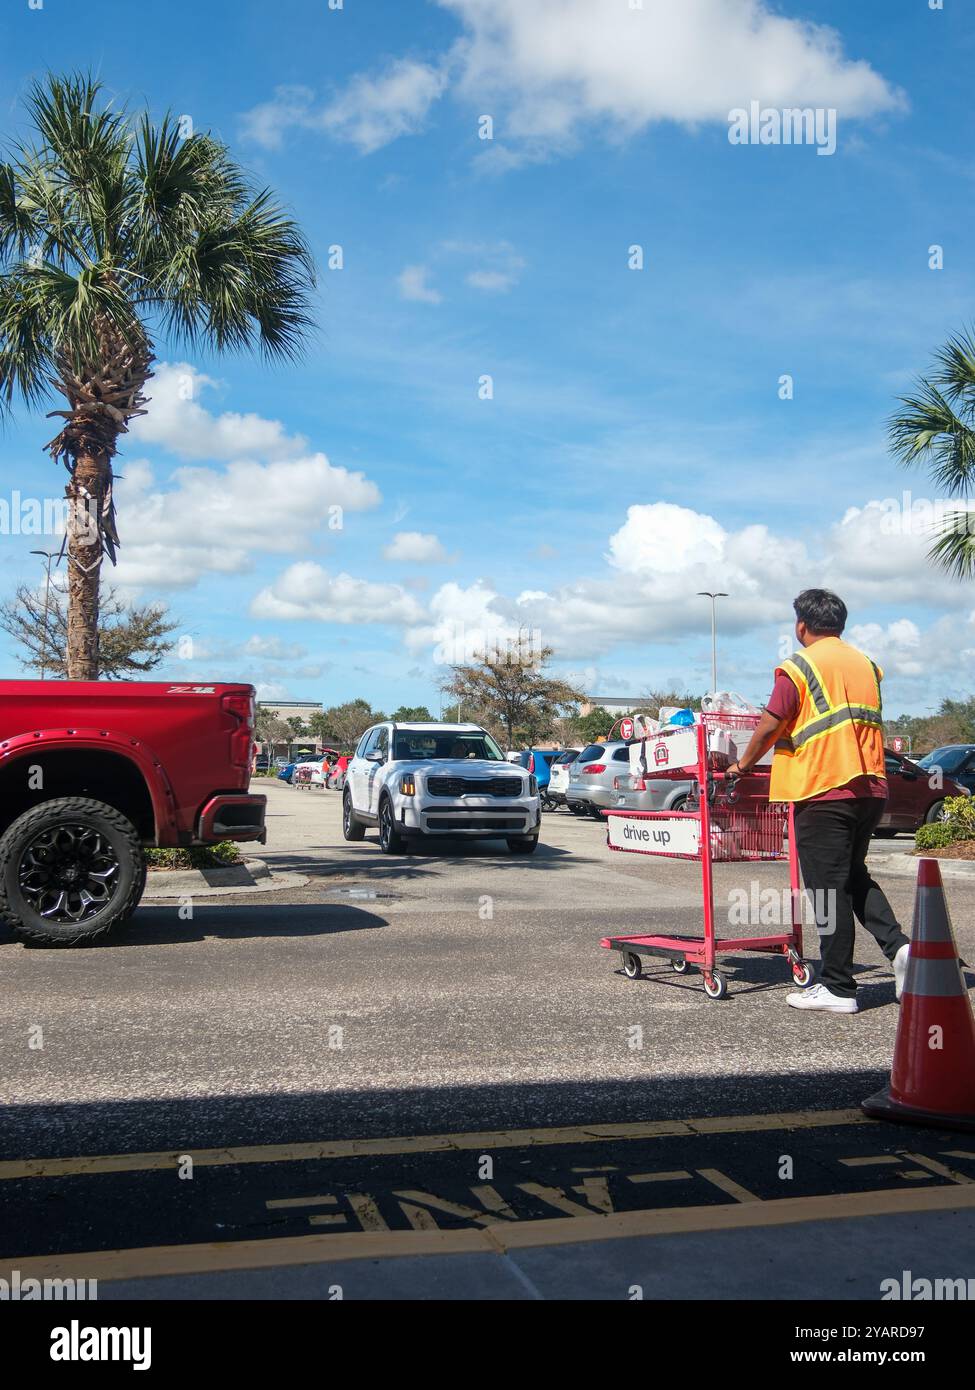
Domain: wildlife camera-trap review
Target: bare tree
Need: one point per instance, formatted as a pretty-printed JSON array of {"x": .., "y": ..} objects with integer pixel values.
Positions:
[
  {"x": 131, "y": 640},
  {"x": 520, "y": 696}
]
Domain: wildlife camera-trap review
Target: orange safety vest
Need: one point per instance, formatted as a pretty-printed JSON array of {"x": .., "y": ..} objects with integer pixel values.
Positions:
[{"x": 837, "y": 734}]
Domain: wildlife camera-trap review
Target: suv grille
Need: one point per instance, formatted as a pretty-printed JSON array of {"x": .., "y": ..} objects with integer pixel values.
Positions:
[{"x": 474, "y": 786}]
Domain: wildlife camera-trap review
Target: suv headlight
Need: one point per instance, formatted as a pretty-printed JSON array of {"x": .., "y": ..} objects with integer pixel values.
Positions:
[
  {"x": 407, "y": 784},
  {"x": 533, "y": 786}
]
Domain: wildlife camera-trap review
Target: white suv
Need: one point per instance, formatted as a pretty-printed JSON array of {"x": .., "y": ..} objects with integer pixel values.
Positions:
[{"x": 425, "y": 780}]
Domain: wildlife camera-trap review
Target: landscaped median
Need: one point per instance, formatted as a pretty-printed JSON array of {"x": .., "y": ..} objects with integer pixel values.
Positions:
[
  {"x": 950, "y": 840},
  {"x": 210, "y": 871},
  {"x": 953, "y": 837}
]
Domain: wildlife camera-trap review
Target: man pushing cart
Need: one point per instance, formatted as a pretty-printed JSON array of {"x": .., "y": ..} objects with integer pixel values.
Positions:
[{"x": 826, "y": 783}]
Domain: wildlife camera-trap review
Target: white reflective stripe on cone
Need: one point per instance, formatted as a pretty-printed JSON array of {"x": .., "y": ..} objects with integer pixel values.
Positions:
[
  {"x": 933, "y": 978},
  {"x": 931, "y": 920}
]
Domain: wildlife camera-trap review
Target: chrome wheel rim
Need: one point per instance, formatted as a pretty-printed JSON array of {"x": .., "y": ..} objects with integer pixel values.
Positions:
[{"x": 68, "y": 873}]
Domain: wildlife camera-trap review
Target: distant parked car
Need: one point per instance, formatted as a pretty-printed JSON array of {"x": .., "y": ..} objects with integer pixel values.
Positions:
[
  {"x": 287, "y": 773},
  {"x": 651, "y": 793},
  {"x": 956, "y": 760},
  {"x": 558, "y": 782},
  {"x": 539, "y": 761},
  {"x": 591, "y": 777},
  {"x": 911, "y": 799}
]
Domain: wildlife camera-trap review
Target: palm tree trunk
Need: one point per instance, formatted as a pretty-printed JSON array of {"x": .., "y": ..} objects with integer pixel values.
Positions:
[{"x": 86, "y": 494}]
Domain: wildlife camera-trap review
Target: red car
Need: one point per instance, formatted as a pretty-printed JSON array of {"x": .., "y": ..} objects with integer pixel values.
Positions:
[{"x": 912, "y": 800}]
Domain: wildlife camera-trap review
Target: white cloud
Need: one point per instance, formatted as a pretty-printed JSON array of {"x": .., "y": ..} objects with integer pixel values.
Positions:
[
  {"x": 267, "y": 123},
  {"x": 664, "y": 554},
  {"x": 307, "y": 591},
  {"x": 370, "y": 112},
  {"x": 413, "y": 285},
  {"x": 178, "y": 422},
  {"x": 492, "y": 281},
  {"x": 560, "y": 63},
  {"x": 210, "y": 519},
  {"x": 415, "y": 548}
]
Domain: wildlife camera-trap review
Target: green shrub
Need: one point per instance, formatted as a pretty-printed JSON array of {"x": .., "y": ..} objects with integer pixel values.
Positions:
[
  {"x": 196, "y": 857},
  {"x": 960, "y": 817},
  {"x": 934, "y": 836}
]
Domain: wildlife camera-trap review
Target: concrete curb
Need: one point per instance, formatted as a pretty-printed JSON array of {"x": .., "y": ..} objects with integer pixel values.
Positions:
[
  {"x": 905, "y": 865},
  {"x": 252, "y": 876}
]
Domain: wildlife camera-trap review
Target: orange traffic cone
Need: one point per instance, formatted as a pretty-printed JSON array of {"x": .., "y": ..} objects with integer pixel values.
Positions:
[{"x": 933, "y": 1077}]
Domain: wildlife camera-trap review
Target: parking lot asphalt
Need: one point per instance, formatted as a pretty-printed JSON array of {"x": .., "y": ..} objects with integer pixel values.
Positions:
[{"x": 407, "y": 1000}]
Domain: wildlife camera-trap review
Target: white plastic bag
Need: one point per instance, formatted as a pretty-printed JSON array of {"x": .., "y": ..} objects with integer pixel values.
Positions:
[{"x": 728, "y": 702}]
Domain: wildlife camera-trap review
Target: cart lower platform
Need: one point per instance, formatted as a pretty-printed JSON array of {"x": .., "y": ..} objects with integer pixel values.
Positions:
[{"x": 683, "y": 952}]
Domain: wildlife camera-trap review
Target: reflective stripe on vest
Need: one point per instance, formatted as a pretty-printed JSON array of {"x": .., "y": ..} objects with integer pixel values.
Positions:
[{"x": 837, "y": 733}]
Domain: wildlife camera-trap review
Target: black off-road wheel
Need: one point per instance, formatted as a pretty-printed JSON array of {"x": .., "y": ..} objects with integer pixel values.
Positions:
[{"x": 71, "y": 871}]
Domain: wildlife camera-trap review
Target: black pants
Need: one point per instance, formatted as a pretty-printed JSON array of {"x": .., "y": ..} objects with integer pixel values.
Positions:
[{"x": 832, "y": 839}]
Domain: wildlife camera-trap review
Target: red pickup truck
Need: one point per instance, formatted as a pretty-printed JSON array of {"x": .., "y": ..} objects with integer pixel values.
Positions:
[{"x": 91, "y": 771}]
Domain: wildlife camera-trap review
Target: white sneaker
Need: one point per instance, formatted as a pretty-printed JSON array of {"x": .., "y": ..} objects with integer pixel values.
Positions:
[
  {"x": 900, "y": 969},
  {"x": 819, "y": 997}
]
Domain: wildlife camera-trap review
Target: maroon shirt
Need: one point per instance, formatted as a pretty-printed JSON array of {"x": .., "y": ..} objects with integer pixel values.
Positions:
[{"x": 783, "y": 703}]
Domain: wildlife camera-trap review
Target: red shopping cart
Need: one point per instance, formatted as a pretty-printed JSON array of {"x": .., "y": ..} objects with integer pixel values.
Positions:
[{"x": 731, "y": 820}]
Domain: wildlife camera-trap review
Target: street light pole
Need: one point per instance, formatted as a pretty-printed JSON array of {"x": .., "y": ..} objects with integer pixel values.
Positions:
[
  {"x": 49, "y": 556},
  {"x": 706, "y": 593}
]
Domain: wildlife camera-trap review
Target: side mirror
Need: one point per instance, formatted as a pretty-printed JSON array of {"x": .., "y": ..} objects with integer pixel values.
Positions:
[{"x": 375, "y": 756}]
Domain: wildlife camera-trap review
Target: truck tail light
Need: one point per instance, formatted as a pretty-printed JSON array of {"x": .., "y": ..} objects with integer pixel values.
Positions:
[
  {"x": 591, "y": 769},
  {"x": 241, "y": 706}
]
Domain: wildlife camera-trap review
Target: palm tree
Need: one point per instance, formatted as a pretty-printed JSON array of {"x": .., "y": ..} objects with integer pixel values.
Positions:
[
  {"x": 937, "y": 427},
  {"x": 112, "y": 230}
]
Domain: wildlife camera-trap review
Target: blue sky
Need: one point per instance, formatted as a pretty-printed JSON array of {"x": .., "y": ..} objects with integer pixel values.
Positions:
[{"x": 636, "y": 448}]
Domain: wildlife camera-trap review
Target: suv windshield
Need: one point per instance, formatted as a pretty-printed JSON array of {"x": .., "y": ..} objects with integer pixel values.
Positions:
[
  {"x": 948, "y": 759},
  {"x": 424, "y": 746},
  {"x": 588, "y": 755}
]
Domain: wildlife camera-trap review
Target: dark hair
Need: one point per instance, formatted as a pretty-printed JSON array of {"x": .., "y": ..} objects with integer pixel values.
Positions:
[{"x": 821, "y": 611}]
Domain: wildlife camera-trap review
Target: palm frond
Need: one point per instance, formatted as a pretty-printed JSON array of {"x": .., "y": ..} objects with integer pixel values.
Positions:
[
  {"x": 927, "y": 430},
  {"x": 954, "y": 549},
  {"x": 18, "y": 228},
  {"x": 956, "y": 373},
  {"x": 89, "y": 145},
  {"x": 26, "y": 358},
  {"x": 238, "y": 283}
]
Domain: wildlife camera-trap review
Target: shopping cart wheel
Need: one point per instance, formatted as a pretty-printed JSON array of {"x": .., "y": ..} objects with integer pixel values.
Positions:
[
  {"x": 680, "y": 967},
  {"x": 632, "y": 965},
  {"x": 802, "y": 973},
  {"x": 715, "y": 986}
]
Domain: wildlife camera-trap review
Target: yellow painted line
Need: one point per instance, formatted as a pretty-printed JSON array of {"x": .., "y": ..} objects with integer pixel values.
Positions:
[
  {"x": 498, "y": 1238},
  {"x": 869, "y": 1162},
  {"x": 673, "y": 1176},
  {"x": 424, "y": 1143},
  {"x": 728, "y": 1185},
  {"x": 941, "y": 1169},
  {"x": 286, "y": 1202}
]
